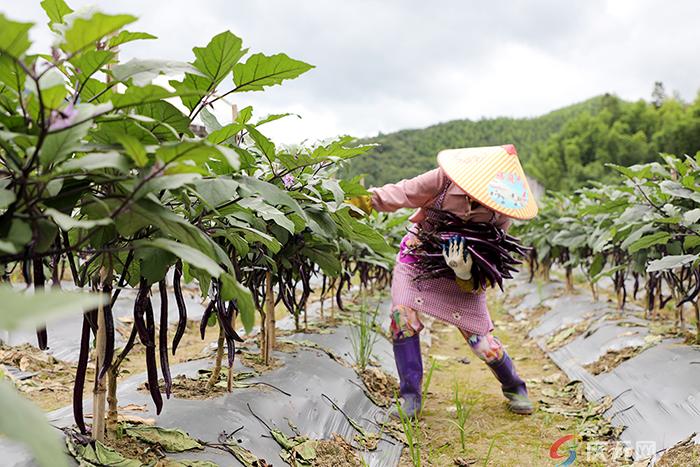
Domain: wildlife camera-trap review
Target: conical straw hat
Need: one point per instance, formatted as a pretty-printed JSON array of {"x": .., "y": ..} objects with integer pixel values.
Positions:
[{"x": 492, "y": 176}]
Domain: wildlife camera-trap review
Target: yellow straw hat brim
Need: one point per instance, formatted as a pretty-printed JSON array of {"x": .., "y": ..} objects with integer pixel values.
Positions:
[{"x": 493, "y": 176}]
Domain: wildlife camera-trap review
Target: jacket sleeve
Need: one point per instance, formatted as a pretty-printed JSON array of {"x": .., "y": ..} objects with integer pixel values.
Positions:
[{"x": 410, "y": 193}]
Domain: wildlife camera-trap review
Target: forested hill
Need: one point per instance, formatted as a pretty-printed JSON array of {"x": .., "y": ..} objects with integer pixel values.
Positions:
[{"x": 562, "y": 149}]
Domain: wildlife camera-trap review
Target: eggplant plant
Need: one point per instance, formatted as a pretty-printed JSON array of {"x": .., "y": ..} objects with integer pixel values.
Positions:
[
  {"x": 103, "y": 182},
  {"x": 643, "y": 232}
]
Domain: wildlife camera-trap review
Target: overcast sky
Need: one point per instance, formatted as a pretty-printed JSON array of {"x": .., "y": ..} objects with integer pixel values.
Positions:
[{"x": 386, "y": 65}]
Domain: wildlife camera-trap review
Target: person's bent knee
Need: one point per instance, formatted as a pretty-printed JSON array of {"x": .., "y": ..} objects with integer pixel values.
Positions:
[
  {"x": 404, "y": 323},
  {"x": 487, "y": 348}
]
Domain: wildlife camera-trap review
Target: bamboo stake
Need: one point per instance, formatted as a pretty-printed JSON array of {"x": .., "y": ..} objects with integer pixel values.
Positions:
[
  {"x": 112, "y": 411},
  {"x": 99, "y": 391},
  {"x": 696, "y": 305},
  {"x": 332, "y": 297},
  {"x": 216, "y": 371},
  {"x": 269, "y": 323}
]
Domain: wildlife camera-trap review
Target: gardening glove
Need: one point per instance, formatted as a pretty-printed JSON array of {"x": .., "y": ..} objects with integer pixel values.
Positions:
[
  {"x": 364, "y": 203},
  {"x": 456, "y": 258}
]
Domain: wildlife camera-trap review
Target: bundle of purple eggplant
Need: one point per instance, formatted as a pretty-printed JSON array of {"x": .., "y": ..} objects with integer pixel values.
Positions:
[{"x": 493, "y": 251}]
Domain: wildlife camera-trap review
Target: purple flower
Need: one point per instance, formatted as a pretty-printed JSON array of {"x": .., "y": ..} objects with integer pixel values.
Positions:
[
  {"x": 61, "y": 119},
  {"x": 288, "y": 181}
]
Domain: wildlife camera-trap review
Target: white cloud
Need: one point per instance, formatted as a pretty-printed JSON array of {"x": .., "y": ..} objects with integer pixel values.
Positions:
[{"x": 383, "y": 66}]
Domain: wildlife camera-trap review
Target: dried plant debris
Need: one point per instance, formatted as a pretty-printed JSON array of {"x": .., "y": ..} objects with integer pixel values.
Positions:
[
  {"x": 244, "y": 456},
  {"x": 464, "y": 462},
  {"x": 169, "y": 439},
  {"x": 311, "y": 328},
  {"x": 302, "y": 450},
  {"x": 33, "y": 370},
  {"x": 567, "y": 335},
  {"x": 684, "y": 453},
  {"x": 394, "y": 428},
  {"x": 254, "y": 360},
  {"x": 611, "y": 359},
  {"x": 335, "y": 452},
  {"x": 570, "y": 402},
  {"x": 367, "y": 439},
  {"x": 135, "y": 445},
  {"x": 379, "y": 386},
  {"x": 96, "y": 454}
]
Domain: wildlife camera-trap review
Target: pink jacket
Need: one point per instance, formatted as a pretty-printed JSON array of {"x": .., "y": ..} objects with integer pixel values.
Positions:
[{"x": 422, "y": 191}]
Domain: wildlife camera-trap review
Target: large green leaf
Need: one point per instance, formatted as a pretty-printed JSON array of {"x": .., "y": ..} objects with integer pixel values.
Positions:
[
  {"x": 66, "y": 222},
  {"x": 146, "y": 212},
  {"x": 83, "y": 32},
  {"x": 127, "y": 36},
  {"x": 636, "y": 235},
  {"x": 261, "y": 70},
  {"x": 671, "y": 262},
  {"x": 14, "y": 37},
  {"x": 166, "y": 118},
  {"x": 52, "y": 86},
  {"x": 231, "y": 289},
  {"x": 7, "y": 197},
  {"x": 692, "y": 216},
  {"x": 142, "y": 72},
  {"x": 191, "y": 89},
  {"x": 24, "y": 422},
  {"x": 26, "y": 310},
  {"x": 168, "y": 182},
  {"x": 338, "y": 149},
  {"x": 262, "y": 142},
  {"x": 224, "y": 133},
  {"x": 271, "y": 193},
  {"x": 217, "y": 59},
  {"x": 55, "y": 10},
  {"x": 647, "y": 241},
  {"x": 186, "y": 253},
  {"x": 216, "y": 191},
  {"x": 97, "y": 161},
  {"x": 89, "y": 63},
  {"x": 139, "y": 95},
  {"x": 154, "y": 263},
  {"x": 134, "y": 149},
  {"x": 268, "y": 212},
  {"x": 362, "y": 233},
  {"x": 170, "y": 439},
  {"x": 60, "y": 144},
  {"x": 327, "y": 261}
]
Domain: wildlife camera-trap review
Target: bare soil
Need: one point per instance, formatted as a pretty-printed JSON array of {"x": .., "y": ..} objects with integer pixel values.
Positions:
[{"x": 495, "y": 436}]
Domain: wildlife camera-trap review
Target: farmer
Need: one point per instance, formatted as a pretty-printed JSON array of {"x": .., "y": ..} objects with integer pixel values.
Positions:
[{"x": 485, "y": 184}]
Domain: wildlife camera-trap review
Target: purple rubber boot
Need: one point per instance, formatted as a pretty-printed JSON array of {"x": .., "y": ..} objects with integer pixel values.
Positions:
[
  {"x": 512, "y": 385},
  {"x": 409, "y": 364}
]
